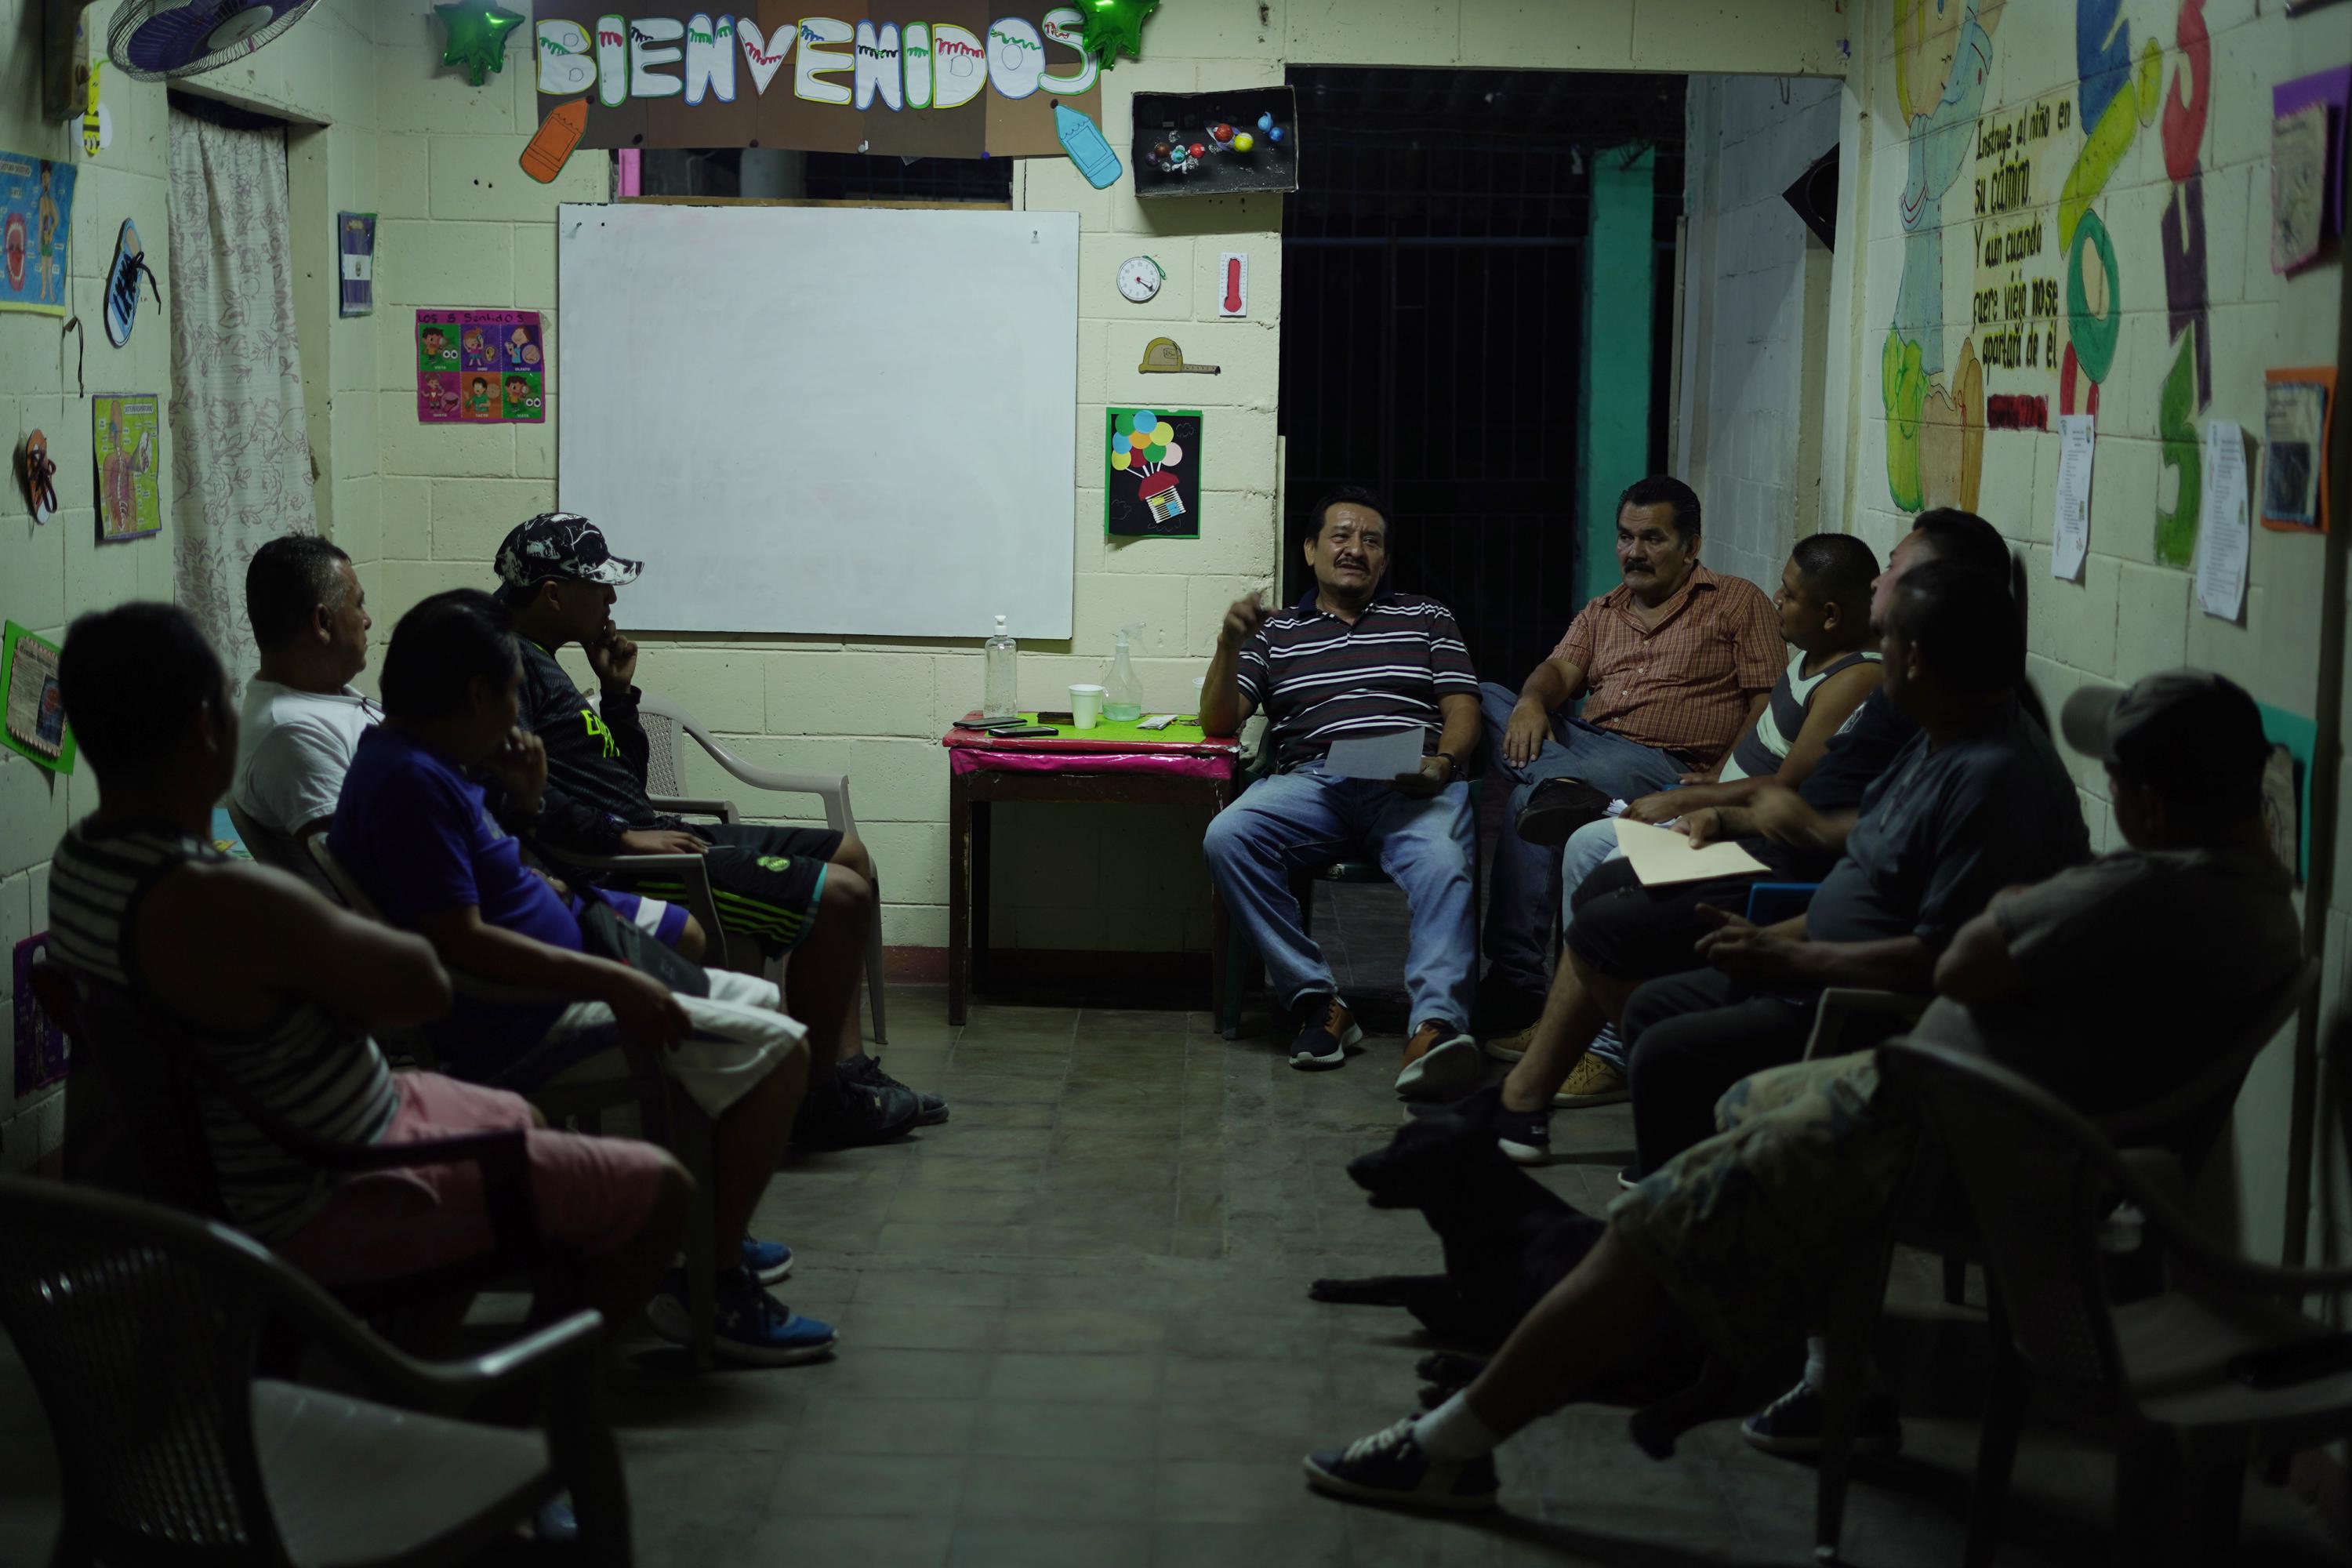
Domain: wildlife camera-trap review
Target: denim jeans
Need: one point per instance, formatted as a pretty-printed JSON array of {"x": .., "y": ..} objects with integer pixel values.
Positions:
[
  {"x": 1525, "y": 887},
  {"x": 1304, "y": 818},
  {"x": 1587, "y": 849}
]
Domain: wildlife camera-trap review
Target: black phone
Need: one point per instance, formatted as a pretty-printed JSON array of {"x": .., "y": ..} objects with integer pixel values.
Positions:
[{"x": 1025, "y": 731}]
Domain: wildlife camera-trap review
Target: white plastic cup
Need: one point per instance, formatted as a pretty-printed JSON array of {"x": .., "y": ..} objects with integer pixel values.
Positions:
[{"x": 1085, "y": 706}]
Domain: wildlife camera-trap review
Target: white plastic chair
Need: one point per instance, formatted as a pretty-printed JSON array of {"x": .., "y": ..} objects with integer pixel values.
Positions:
[{"x": 666, "y": 727}]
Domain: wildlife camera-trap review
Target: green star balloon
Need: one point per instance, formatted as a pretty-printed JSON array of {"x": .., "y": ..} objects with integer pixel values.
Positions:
[
  {"x": 477, "y": 37},
  {"x": 1113, "y": 28}
]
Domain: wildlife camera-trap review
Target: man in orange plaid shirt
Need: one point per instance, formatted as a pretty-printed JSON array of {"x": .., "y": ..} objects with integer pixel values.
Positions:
[{"x": 1672, "y": 664}]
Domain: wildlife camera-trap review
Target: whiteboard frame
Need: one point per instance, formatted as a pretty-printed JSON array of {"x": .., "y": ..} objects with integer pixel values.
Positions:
[{"x": 659, "y": 460}]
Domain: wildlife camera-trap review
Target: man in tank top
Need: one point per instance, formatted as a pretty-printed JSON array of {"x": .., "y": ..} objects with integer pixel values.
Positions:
[{"x": 277, "y": 990}]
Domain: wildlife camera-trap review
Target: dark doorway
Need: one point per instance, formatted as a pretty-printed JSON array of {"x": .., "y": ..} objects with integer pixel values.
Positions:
[{"x": 1433, "y": 302}]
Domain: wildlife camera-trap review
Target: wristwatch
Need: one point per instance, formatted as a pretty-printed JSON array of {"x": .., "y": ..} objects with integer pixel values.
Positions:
[{"x": 1453, "y": 768}]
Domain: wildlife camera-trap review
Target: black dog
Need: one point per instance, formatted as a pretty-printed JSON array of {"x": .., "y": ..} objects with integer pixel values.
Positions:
[{"x": 1507, "y": 1240}]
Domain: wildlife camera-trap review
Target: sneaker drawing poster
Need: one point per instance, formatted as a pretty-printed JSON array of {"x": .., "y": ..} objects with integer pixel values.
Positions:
[
  {"x": 123, "y": 432},
  {"x": 36, "y": 225},
  {"x": 475, "y": 367}
]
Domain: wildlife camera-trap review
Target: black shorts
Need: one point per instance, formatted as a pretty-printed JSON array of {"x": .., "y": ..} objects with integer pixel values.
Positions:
[
  {"x": 1631, "y": 932},
  {"x": 765, "y": 880}
]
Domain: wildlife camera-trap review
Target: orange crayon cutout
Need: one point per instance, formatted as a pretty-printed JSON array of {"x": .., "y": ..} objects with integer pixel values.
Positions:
[{"x": 558, "y": 134}]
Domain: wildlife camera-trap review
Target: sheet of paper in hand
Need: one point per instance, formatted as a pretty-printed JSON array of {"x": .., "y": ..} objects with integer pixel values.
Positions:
[
  {"x": 1380, "y": 757},
  {"x": 1661, "y": 855}
]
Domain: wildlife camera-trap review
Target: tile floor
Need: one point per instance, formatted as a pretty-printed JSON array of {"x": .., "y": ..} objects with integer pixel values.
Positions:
[{"x": 1075, "y": 1331}]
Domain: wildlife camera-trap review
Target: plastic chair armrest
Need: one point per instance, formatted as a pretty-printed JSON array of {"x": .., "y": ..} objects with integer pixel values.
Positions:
[
  {"x": 1840, "y": 1005},
  {"x": 693, "y": 806},
  {"x": 831, "y": 788}
]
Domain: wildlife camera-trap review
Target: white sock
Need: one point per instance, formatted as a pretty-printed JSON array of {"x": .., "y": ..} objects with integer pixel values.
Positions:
[
  {"x": 1817, "y": 1367},
  {"x": 1451, "y": 1434}
]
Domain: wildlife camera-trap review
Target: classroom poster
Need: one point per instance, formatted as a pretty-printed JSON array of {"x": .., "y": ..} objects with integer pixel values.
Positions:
[
  {"x": 40, "y": 1043},
  {"x": 122, "y": 433},
  {"x": 32, "y": 704},
  {"x": 476, "y": 367},
  {"x": 355, "y": 243},
  {"x": 947, "y": 79},
  {"x": 35, "y": 226},
  {"x": 1151, "y": 476}
]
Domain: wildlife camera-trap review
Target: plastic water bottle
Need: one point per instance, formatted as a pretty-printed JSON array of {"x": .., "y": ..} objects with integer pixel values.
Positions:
[
  {"x": 1123, "y": 691},
  {"x": 1002, "y": 695}
]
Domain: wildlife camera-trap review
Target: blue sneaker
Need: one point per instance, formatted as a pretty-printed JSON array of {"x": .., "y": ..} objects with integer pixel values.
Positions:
[
  {"x": 769, "y": 1261},
  {"x": 1390, "y": 1468},
  {"x": 750, "y": 1325}
]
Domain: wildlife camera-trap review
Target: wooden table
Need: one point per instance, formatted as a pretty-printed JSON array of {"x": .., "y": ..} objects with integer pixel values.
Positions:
[{"x": 1188, "y": 772}]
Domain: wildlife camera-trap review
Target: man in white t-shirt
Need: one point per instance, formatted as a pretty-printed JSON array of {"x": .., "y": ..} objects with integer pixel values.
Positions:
[{"x": 301, "y": 719}]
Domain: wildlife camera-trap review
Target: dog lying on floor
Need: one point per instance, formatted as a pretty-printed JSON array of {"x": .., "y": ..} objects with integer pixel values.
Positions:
[{"x": 1507, "y": 1239}]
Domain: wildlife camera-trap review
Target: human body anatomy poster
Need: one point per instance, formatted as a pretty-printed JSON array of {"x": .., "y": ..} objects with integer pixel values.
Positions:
[
  {"x": 478, "y": 367},
  {"x": 36, "y": 225},
  {"x": 123, "y": 432}
]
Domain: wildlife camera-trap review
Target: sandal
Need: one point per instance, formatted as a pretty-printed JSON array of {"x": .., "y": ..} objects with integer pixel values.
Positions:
[{"x": 39, "y": 475}]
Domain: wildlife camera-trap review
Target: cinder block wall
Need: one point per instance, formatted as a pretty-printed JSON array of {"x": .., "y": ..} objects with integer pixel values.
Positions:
[
  {"x": 319, "y": 75},
  {"x": 1750, "y": 321}
]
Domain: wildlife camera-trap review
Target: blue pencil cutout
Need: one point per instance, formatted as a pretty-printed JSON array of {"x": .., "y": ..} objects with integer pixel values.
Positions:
[{"x": 1082, "y": 138}]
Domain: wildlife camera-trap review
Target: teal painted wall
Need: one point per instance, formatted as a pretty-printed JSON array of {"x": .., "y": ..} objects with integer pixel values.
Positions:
[{"x": 1614, "y": 427}]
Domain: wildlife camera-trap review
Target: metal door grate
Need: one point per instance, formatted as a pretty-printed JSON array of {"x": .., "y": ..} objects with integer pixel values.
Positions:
[{"x": 1433, "y": 303}]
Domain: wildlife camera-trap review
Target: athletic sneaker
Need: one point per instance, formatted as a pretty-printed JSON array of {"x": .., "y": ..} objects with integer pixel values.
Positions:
[
  {"x": 1556, "y": 809},
  {"x": 1592, "y": 1081},
  {"x": 1525, "y": 1136},
  {"x": 1326, "y": 1030},
  {"x": 846, "y": 1114},
  {"x": 1441, "y": 1062},
  {"x": 1511, "y": 1047},
  {"x": 1792, "y": 1425},
  {"x": 1390, "y": 1468},
  {"x": 769, "y": 1261},
  {"x": 862, "y": 1069},
  {"x": 748, "y": 1325}
]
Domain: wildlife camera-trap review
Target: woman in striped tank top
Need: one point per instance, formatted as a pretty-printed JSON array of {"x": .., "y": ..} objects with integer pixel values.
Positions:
[{"x": 277, "y": 989}]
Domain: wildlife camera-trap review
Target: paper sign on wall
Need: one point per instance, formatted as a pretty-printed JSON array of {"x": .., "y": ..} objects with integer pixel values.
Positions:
[
  {"x": 2071, "y": 538},
  {"x": 35, "y": 704},
  {"x": 948, "y": 79},
  {"x": 355, "y": 243},
  {"x": 2298, "y": 405},
  {"x": 2222, "y": 537},
  {"x": 1232, "y": 284},
  {"x": 35, "y": 226},
  {"x": 1151, "y": 485},
  {"x": 123, "y": 439},
  {"x": 476, "y": 367},
  {"x": 40, "y": 1043}
]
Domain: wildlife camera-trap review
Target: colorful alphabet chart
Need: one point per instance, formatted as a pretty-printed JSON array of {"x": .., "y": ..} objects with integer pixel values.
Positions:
[{"x": 481, "y": 367}]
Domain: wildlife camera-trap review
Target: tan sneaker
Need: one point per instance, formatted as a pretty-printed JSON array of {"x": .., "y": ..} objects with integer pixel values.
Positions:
[
  {"x": 1511, "y": 1047},
  {"x": 1592, "y": 1081},
  {"x": 1440, "y": 1062}
]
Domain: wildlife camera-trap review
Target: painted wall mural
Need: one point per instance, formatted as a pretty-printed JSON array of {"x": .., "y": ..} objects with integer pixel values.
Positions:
[{"x": 2009, "y": 309}]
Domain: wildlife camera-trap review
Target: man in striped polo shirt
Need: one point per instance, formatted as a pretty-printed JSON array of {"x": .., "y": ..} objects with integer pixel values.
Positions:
[
  {"x": 1350, "y": 659},
  {"x": 1672, "y": 664}
]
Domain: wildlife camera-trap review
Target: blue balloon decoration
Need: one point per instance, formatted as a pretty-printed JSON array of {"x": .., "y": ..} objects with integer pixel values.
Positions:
[
  {"x": 1146, "y": 420},
  {"x": 1275, "y": 135},
  {"x": 1266, "y": 122}
]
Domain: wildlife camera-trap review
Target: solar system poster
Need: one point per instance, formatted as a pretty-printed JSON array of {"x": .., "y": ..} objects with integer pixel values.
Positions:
[{"x": 35, "y": 226}]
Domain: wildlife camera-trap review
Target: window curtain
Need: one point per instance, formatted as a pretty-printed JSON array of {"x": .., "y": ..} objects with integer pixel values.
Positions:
[{"x": 241, "y": 470}]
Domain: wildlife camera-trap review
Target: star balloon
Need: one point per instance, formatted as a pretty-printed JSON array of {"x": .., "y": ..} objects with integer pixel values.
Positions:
[
  {"x": 477, "y": 37},
  {"x": 1113, "y": 28}
]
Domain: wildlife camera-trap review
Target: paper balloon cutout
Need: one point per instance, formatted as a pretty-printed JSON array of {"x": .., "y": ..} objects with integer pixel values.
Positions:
[
  {"x": 1113, "y": 28},
  {"x": 477, "y": 37}
]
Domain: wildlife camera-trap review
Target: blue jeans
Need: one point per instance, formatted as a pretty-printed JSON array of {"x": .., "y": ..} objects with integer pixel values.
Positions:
[
  {"x": 1303, "y": 819},
  {"x": 1526, "y": 884}
]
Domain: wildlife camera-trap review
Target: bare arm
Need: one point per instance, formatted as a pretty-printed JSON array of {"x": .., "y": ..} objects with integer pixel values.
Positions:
[
  {"x": 1772, "y": 812},
  {"x": 1552, "y": 685},
  {"x": 1832, "y": 706},
  {"x": 1978, "y": 968},
  {"x": 644, "y": 1006},
  {"x": 1224, "y": 708},
  {"x": 226, "y": 945}
]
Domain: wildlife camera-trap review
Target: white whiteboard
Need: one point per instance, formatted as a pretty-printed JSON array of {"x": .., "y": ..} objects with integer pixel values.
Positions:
[{"x": 844, "y": 421}]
